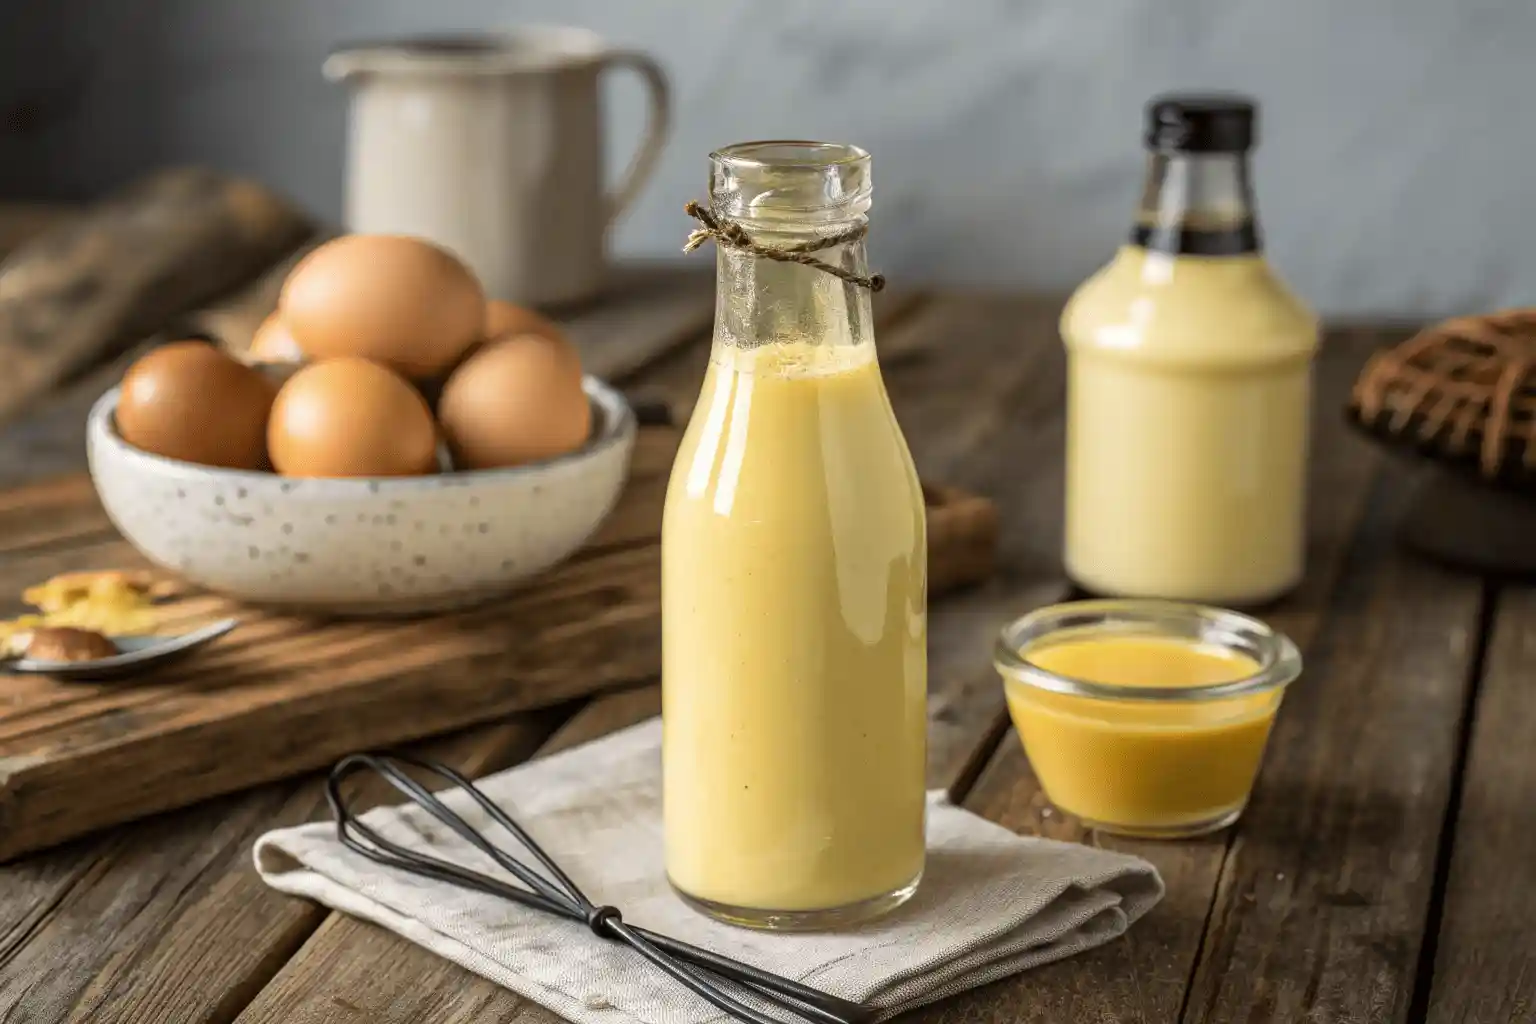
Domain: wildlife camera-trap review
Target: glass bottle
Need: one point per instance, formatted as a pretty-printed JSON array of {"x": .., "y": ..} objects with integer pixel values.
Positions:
[
  {"x": 1189, "y": 381},
  {"x": 794, "y": 577}
]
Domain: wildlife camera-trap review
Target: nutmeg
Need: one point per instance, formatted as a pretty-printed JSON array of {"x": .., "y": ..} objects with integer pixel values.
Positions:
[{"x": 65, "y": 643}]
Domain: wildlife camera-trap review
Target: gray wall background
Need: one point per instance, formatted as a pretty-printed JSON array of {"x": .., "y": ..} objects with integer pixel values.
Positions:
[{"x": 1395, "y": 175}]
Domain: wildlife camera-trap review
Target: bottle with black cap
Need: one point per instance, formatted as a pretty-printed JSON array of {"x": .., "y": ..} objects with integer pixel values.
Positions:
[{"x": 1189, "y": 383}]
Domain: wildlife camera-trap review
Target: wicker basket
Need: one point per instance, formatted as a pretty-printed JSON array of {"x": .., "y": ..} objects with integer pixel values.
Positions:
[{"x": 1462, "y": 392}]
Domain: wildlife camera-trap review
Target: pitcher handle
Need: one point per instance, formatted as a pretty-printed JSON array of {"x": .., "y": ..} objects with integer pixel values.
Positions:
[{"x": 658, "y": 125}]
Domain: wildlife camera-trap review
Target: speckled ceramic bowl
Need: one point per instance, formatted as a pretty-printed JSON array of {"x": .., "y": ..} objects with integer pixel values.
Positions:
[{"x": 387, "y": 546}]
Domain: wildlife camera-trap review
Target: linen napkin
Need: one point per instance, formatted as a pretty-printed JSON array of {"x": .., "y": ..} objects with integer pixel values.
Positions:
[{"x": 991, "y": 903}]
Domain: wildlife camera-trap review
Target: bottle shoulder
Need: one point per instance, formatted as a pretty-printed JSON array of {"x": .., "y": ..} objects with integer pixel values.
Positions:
[
  {"x": 795, "y": 424},
  {"x": 1197, "y": 309}
]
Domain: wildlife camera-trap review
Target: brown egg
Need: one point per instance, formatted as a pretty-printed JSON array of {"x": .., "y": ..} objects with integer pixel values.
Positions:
[
  {"x": 503, "y": 320},
  {"x": 396, "y": 300},
  {"x": 351, "y": 417},
  {"x": 189, "y": 400},
  {"x": 515, "y": 400},
  {"x": 272, "y": 343}
]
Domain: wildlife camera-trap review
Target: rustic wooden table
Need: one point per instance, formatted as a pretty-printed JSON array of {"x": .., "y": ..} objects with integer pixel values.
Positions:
[{"x": 1385, "y": 871}]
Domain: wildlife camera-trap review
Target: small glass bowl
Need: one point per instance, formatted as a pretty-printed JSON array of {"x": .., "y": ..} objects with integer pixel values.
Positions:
[{"x": 1159, "y": 761}]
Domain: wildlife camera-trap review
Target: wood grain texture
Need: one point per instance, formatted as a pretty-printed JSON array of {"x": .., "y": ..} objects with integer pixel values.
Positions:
[
  {"x": 1323, "y": 895},
  {"x": 95, "y": 284},
  {"x": 354, "y": 971},
  {"x": 977, "y": 383},
  {"x": 284, "y": 694},
  {"x": 1322, "y": 901},
  {"x": 1145, "y": 976},
  {"x": 167, "y": 920},
  {"x": 645, "y": 313},
  {"x": 966, "y": 533},
  {"x": 55, "y": 512},
  {"x": 51, "y": 439},
  {"x": 1485, "y": 962}
]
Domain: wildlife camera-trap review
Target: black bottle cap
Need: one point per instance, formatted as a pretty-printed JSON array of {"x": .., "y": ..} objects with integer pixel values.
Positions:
[{"x": 1201, "y": 123}]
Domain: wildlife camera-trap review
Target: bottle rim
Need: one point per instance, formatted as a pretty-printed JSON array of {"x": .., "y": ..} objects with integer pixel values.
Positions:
[
  {"x": 791, "y": 153},
  {"x": 790, "y": 176}
]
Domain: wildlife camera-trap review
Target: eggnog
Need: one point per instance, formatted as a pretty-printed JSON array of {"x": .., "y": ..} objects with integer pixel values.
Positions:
[
  {"x": 794, "y": 616},
  {"x": 1145, "y": 717},
  {"x": 1189, "y": 379}
]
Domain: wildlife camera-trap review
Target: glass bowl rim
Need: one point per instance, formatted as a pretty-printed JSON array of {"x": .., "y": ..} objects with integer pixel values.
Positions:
[{"x": 1278, "y": 657}]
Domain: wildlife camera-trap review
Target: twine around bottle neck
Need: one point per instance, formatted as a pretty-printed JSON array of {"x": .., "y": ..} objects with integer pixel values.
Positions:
[{"x": 731, "y": 235}]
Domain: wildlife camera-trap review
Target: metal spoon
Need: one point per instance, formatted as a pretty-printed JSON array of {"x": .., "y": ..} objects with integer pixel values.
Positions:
[{"x": 138, "y": 654}]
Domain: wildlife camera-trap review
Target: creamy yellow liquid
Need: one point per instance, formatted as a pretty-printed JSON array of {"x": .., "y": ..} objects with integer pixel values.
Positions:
[
  {"x": 1188, "y": 402},
  {"x": 1140, "y": 766},
  {"x": 794, "y": 636}
]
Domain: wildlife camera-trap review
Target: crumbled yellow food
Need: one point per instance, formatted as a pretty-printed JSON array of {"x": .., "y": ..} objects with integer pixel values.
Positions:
[
  {"x": 112, "y": 603},
  {"x": 111, "y": 616},
  {"x": 112, "y": 586}
]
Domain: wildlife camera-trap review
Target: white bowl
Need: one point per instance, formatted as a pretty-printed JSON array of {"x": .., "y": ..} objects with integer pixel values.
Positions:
[{"x": 385, "y": 546}]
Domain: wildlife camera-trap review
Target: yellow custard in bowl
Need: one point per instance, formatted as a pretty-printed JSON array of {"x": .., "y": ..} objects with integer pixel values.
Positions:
[{"x": 1145, "y": 717}]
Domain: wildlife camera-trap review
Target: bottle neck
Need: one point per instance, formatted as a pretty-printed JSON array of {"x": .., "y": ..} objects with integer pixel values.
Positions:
[
  {"x": 1197, "y": 204},
  {"x": 762, "y": 302}
]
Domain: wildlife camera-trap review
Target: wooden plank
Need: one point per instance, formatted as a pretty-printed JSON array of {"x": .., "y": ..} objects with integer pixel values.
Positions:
[
  {"x": 168, "y": 915},
  {"x": 51, "y": 438},
  {"x": 1322, "y": 902},
  {"x": 54, "y": 511},
  {"x": 647, "y": 312},
  {"x": 1145, "y": 976},
  {"x": 97, "y": 283},
  {"x": 21, "y": 222},
  {"x": 1485, "y": 957},
  {"x": 334, "y": 978},
  {"x": 285, "y": 694},
  {"x": 350, "y": 970},
  {"x": 1322, "y": 899},
  {"x": 293, "y": 693},
  {"x": 977, "y": 383}
]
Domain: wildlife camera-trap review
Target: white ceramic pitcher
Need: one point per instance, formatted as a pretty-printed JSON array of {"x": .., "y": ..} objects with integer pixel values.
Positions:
[{"x": 493, "y": 147}]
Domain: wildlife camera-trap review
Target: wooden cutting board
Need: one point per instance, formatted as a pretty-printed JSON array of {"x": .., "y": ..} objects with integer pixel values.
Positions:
[{"x": 283, "y": 694}]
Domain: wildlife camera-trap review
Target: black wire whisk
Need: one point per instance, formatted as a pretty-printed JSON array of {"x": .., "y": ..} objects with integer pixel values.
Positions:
[{"x": 697, "y": 969}]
